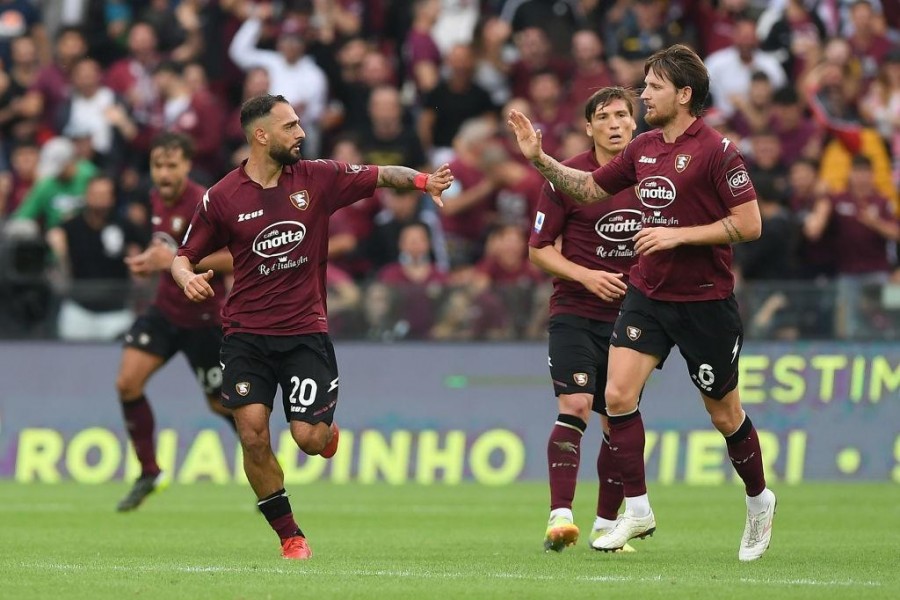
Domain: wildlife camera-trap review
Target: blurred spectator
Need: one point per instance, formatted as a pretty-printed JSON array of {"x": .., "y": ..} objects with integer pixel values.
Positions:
[
  {"x": 766, "y": 168},
  {"x": 559, "y": 19},
  {"x": 343, "y": 301},
  {"x": 132, "y": 77},
  {"x": 715, "y": 22},
  {"x": 19, "y": 19},
  {"x": 421, "y": 55},
  {"x": 518, "y": 188},
  {"x": 789, "y": 37},
  {"x": 416, "y": 279},
  {"x": 881, "y": 107},
  {"x": 24, "y": 162},
  {"x": 383, "y": 318},
  {"x": 492, "y": 57},
  {"x": 15, "y": 81},
  {"x": 799, "y": 135},
  {"x": 468, "y": 200},
  {"x": 812, "y": 208},
  {"x": 535, "y": 54},
  {"x": 26, "y": 300},
  {"x": 292, "y": 73},
  {"x": 591, "y": 72},
  {"x": 863, "y": 225},
  {"x": 866, "y": 40},
  {"x": 455, "y": 24},
  {"x": 338, "y": 19},
  {"x": 361, "y": 69},
  {"x": 643, "y": 30},
  {"x": 754, "y": 112},
  {"x": 90, "y": 249},
  {"x": 402, "y": 208},
  {"x": 256, "y": 83},
  {"x": 453, "y": 101},
  {"x": 93, "y": 111},
  {"x": 178, "y": 28},
  {"x": 61, "y": 183},
  {"x": 390, "y": 139},
  {"x": 730, "y": 69},
  {"x": 197, "y": 115},
  {"x": 51, "y": 86},
  {"x": 550, "y": 110}
]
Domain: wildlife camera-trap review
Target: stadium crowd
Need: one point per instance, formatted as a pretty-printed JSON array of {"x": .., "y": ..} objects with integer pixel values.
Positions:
[{"x": 808, "y": 89}]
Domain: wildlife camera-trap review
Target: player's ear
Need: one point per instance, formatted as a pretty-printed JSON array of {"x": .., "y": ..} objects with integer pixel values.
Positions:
[
  {"x": 261, "y": 136},
  {"x": 685, "y": 95},
  {"x": 588, "y": 129}
]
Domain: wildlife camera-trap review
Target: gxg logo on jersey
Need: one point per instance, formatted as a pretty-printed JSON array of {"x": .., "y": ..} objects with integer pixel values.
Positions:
[
  {"x": 619, "y": 225},
  {"x": 738, "y": 180},
  {"x": 656, "y": 192},
  {"x": 279, "y": 238}
]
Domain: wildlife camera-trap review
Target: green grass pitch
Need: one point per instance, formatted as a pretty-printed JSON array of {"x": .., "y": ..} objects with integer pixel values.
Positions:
[{"x": 208, "y": 541}]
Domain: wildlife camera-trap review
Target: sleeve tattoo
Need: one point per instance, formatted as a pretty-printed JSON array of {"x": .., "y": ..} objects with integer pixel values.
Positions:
[
  {"x": 734, "y": 235},
  {"x": 400, "y": 178},
  {"x": 577, "y": 184}
]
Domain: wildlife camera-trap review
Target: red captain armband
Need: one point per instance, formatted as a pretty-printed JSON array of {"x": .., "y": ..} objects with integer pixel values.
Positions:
[{"x": 420, "y": 181}]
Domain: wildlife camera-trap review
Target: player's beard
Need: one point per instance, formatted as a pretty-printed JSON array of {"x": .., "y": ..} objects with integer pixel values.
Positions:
[
  {"x": 284, "y": 155},
  {"x": 659, "y": 118}
]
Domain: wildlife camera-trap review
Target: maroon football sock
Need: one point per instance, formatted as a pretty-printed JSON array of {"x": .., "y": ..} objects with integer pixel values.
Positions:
[
  {"x": 139, "y": 423},
  {"x": 612, "y": 493},
  {"x": 746, "y": 456},
  {"x": 563, "y": 458},
  {"x": 626, "y": 441},
  {"x": 276, "y": 508}
]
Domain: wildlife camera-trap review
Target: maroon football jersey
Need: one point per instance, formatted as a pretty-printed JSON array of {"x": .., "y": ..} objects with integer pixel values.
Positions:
[
  {"x": 170, "y": 222},
  {"x": 279, "y": 240},
  {"x": 597, "y": 236},
  {"x": 694, "y": 181}
]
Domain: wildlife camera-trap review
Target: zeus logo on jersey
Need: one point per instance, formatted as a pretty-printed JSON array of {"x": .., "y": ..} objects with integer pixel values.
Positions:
[
  {"x": 656, "y": 192},
  {"x": 250, "y": 215},
  {"x": 279, "y": 238},
  {"x": 619, "y": 225},
  {"x": 648, "y": 160}
]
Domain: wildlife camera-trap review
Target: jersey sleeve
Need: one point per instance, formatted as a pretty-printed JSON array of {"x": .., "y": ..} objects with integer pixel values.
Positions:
[
  {"x": 348, "y": 183},
  {"x": 619, "y": 173},
  {"x": 730, "y": 177},
  {"x": 204, "y": 235},
  {"x": 548, "y": 219}
]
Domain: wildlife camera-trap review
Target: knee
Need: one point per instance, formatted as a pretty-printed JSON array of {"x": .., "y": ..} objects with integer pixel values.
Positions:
[
  {"x": 578, "y": 405},
  {"x": 128, "y": 388},
  {"x": 726, "y": 420},
  {"x": 254, "y": 443},
  {"x": 619, "y": 399}
]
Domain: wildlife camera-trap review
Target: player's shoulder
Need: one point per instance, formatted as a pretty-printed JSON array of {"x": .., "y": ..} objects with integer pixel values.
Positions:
[
  {"x": 193, "y": 192},
  {"x": 330, "y": 166},
  {"x": 585, "y": 161}
]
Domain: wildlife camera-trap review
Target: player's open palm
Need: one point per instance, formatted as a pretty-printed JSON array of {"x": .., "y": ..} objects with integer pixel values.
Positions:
[
  {"x": 197, "y": 287},
  {"x": 439, "y": 181},
  {"x": 606, "y": 286},
  {"x": 528, "y": 138},
  {"x": 656, "y": 239}
]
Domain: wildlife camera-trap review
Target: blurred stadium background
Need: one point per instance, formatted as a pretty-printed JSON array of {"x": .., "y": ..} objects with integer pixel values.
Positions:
[{"x": 443, "y": 370}]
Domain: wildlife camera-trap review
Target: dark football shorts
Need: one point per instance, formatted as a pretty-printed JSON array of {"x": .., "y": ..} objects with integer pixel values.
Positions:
[
  {"x": 708, "y": 334},
  {"x": 304, "y": 366},
  {"x": 578, "y": 356},
  {"x": 152, "y": 332}
]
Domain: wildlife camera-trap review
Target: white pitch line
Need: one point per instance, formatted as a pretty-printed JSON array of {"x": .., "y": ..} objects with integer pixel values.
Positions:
[{"x": 310, "y": 570}]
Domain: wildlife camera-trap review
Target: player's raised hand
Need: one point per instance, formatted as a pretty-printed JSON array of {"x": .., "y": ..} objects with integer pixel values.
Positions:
[
  {"x": 656, "y": 239},
  {"x": 528, "y": 138},
  {"x": 439, "y": 181},
  {"x": 197, "y": 287}
]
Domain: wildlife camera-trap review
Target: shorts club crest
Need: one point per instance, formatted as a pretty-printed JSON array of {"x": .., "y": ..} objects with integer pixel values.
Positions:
[{"x": 633, "y": 333}]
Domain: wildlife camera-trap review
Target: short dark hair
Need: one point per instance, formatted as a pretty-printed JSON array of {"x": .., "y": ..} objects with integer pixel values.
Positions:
[
  {"x": 604, "y": 96},
  {"x": 259, "y": 106},
  {"x": 785, "y": 96},
  {"x": 170, "y": 140},
  {"x": 681, "y": 65},
  {"x": 170, "y": 66},
  {"x": 860, "y": 161}
]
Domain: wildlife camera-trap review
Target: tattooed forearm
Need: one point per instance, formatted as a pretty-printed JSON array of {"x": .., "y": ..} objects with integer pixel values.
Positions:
[
  {"x": 400, "y": 178},
  {"x": 734, "y": 235},
  {"x": 577, "y": 184}
]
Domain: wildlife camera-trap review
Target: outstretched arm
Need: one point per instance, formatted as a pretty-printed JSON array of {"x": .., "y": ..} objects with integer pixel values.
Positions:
[
  {"x": 577, "y": 184},
  {"x": 404, "y": 178}
]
